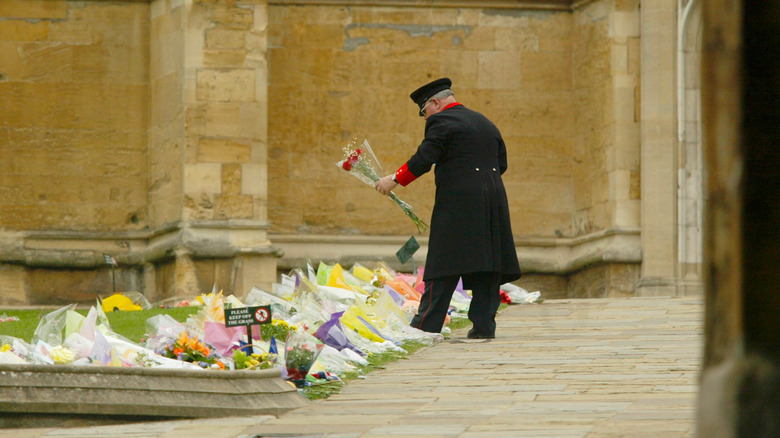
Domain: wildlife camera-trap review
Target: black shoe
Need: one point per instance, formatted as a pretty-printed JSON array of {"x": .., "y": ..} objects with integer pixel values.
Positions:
[{"x": 474, "y": 334}]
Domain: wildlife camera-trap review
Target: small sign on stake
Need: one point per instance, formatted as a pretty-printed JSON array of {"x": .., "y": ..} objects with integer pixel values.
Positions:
[
  {"x": 407, "y": 251},
  {"x": 110, "y": 260},
  {"x": 248, "y": 316}
]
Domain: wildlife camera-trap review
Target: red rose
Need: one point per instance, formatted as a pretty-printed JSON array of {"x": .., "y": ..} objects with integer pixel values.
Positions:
[{"x": 346, "y": 165}]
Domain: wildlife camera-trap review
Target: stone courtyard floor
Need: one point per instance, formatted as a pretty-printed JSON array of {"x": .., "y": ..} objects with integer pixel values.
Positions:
[{"x": 563, "y": 368}]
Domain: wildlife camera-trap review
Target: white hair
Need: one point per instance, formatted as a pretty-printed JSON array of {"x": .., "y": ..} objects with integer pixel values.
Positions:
[{"x": 442, "y": 94}]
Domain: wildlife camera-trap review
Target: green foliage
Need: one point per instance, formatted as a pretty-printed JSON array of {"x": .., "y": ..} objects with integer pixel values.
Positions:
[
  {"x": 254, "y": 361},
  {"x": 299, "y": 357},
  {"x": 277, "y": 329}
]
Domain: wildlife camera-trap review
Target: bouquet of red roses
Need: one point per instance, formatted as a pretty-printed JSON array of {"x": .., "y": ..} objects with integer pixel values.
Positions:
[{"x": 362, "y": 163}]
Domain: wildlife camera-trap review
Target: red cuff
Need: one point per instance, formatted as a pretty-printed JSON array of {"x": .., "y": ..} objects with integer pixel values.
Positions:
[{"x": 404, "y": 176}]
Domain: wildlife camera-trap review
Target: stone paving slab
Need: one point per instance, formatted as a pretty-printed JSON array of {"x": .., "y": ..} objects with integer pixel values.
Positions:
[{"x": 591, "y": 368}]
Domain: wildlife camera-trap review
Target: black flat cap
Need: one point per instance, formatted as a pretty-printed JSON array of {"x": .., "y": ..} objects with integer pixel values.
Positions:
[{"x": 420, "y": 95}]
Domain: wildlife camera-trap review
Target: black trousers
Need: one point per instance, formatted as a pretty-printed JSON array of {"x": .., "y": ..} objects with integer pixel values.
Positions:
[{"x": 485, "y": 300}]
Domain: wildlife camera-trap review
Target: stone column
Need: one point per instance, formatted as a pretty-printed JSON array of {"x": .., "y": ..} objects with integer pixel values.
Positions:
[
  {"x": 623, "y": 156},
  {"x": 12, "y": 284},
  {"x": 658, "y": 20},
  {"x": 208, "y": 140}
]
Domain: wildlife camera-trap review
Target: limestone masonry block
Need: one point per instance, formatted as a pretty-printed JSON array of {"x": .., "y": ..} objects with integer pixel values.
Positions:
[
  {"x": 36, "y": 9},
  {"x": 232, "y": 17},
  {"x": 198, "y": 207},
  {"x": 619, "y": 184},
  {"x": 250, "y": 121},
  {"x": 504, "y": 18},
  {"x": 217, "y": 119},
  {"x": 254, "y": 180},
  {"x": 624, "y": 24},
  {"x": 23, "y": 30},
  {"x": 546, "y": 71},
  {"x": 627, "y": 5},
  {"x": 231, "y": 85},
  {"x": 202, "y": 178},
  {"x": 167, "y": 99},
  {"x": 499, "y": 70},
  {"x": 224, "y": 58},
  {"x": 219, "y": 150},
  {"x": 231, "y": 179},
  {"x": 45, "y": 62},
  {"x": 12, "y": 284},
  {"x": 627, "y": 213},
  {"x": 234, "y": 207},
  {"x": 221, "y": 38},
  {"x": 619, "y": 55}
]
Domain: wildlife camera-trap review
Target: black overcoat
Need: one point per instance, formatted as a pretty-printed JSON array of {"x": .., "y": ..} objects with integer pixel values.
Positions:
[{"x": 470, "y": 227}]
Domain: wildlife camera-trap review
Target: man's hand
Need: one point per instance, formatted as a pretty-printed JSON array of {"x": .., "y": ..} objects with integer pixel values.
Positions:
[{"x": 385, "y": 185}]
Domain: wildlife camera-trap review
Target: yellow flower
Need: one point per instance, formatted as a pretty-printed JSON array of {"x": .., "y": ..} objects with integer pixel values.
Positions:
[
  {"x": 261, "y": 356},
  {"x": 62, "y": 354},
  {"x": 183, "y": 337},
  {"x": 5, "y": 347}
]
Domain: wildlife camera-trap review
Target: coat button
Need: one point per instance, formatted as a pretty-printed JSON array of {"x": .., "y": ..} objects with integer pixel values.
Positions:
[
  {"x": 477, "y": 169},
  {"x": 494, "y": 169}
]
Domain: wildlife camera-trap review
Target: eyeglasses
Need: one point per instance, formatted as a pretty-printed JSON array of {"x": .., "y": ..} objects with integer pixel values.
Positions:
[{"x": 422, "y": 109}]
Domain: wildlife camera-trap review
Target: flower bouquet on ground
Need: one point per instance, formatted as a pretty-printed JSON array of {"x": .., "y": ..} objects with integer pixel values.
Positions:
[
  {"x": 362, "y": 163},
  {"x": 190, "y": 349},
  {"x": 254, "y": 361},
  {"x": 300, "y": 353}
]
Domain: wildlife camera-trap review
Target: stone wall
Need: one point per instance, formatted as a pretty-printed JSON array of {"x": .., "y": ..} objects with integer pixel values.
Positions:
[
  {"x": 135, "y": 129},
  {"x": 73, "y": 123},
  {"x": 606, "y": 105},
  {"x": 562, "y": 85},
  {"x": 208, "y": 144},
  {"x": 166, "y": 130},
  {"x": 226, "y": 103},
  {"x": 338, "y": 73},
  {"x": 73, "y": 139},
  {"x": 602, "y": 281}
]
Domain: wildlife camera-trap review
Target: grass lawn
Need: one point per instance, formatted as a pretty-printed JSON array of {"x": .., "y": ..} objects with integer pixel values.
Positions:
[{"x": 128, "y": 324}]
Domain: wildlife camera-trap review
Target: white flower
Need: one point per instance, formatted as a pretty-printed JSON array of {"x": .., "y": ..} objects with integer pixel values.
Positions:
[{"x": 62, "y": 354}]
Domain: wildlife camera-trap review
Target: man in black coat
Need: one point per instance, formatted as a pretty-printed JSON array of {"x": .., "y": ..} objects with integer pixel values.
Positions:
[{"x": 470, "y": 234}]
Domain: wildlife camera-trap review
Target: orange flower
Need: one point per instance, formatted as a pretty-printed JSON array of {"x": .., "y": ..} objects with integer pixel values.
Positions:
[{"x": 183, "y": 337}]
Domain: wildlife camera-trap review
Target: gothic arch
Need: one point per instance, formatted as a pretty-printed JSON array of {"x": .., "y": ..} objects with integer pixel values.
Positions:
[{"x": 690, "y": 169}]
